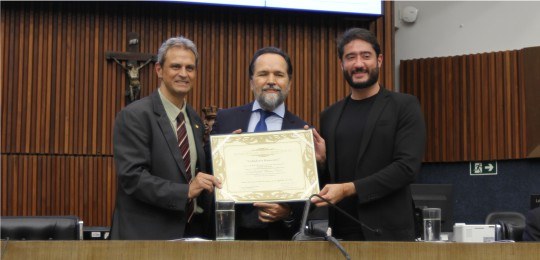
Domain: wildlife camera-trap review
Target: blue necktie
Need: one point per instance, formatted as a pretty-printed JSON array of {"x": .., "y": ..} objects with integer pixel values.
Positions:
[{"x": 261, "y": 125}]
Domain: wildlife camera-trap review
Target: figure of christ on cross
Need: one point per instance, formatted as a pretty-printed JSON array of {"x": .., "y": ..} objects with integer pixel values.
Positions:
[
  {"x": 132, "y": 67},
  {"x": 134, "y": 91}
]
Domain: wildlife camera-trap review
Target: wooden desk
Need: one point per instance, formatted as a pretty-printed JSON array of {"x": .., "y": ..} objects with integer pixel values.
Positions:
[{"x": 35, "y": 250}]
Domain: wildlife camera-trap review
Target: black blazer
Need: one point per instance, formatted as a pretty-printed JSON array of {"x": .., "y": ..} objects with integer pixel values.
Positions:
[
  {"x": 228, "y": 120},
  {"x": 532, "y": 225},
  {"x": 389, "y": 158},
  {"x": 152, "y": 189}
]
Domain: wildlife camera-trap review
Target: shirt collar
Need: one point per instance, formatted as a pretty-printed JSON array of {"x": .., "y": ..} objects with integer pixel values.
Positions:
[
  {"x": 280, "y": 110},
  {"x": 171, "y": 110}
]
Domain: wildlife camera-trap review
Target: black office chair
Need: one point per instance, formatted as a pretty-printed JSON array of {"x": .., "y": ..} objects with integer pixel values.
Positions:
[
  {"x": 41, "y": 228},
  {"x": 512, "y": 224}
]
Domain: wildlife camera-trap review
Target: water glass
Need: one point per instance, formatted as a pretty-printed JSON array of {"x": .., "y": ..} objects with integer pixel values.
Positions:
[
  {"x": 432, "y": 224},
  {"x": 225, "y": 220}
]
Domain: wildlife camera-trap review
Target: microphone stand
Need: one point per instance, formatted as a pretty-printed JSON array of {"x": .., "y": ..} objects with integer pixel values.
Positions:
[
  {"x": 302, "y": 236},
  {"x": 339, "y": 246},
  {"x": 329, "y": 237}
]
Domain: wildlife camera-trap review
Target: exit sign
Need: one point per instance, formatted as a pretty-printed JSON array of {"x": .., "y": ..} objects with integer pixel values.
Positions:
[{"x": 483, "y": 168}]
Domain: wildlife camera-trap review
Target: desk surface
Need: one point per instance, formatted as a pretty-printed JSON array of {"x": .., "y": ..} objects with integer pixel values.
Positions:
[{"x": 263, "y": 250}]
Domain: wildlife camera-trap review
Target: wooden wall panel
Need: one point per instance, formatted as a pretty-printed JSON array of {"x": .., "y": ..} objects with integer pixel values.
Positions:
[
  {"x": 473, "y": 105},
  {"x": 34, "y": 185},
  {"x": 530, "y": 79},
  {"x": 384, "y": 29},
  {"x": 60, "y": 95}
]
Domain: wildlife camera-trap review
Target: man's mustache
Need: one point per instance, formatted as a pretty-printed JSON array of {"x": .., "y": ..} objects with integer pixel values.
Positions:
[
  {"x": 360, "y": 70},
  {"x": 272, "y": 88}
]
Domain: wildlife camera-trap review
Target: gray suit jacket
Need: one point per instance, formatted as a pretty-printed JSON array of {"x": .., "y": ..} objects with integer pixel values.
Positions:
[
  {"x": 152, "y": 189},
  {"x": 389, "y": 158}
]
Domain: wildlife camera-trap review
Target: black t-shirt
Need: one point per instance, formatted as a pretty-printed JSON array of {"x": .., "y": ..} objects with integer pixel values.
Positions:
[{"x": 349, "y": 132}]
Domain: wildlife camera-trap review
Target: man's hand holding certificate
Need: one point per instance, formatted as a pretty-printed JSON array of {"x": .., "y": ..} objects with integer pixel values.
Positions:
[{"x": 265, "y": 166}]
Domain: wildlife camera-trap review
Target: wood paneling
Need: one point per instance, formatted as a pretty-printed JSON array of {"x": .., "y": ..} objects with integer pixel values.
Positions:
[
  {"x": 530, "y": 79},
  {"x": 473, "y": 105},
  {"x": 60, "y": 95},
  {"x": 260, "y": 250},
  {"x": 55, "y": 53},
  {"x": 384, "y": 29},
  {"x": 36, "y": 185}
]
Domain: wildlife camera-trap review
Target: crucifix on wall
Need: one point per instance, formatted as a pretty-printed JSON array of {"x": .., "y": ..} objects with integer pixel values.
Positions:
[{"x": 132, "y": 66}]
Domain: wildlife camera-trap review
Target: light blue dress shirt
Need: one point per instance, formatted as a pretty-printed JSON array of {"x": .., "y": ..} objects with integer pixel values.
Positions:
[{"x": 273, "y": 123}]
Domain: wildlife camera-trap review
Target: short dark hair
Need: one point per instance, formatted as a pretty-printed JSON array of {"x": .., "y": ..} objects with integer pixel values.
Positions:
[
  {"x": 357, "y": 34},
  {"x": 273, "y": 50}
]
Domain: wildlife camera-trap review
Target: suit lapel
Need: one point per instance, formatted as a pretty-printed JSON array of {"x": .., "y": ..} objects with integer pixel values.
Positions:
[
  {"x": 167, "y": 131},
  {"x": 244, "y": 116},
  {"x": 374, "y": 114},
  {"x": 288, "y": 121},
  {"x": 196, "y": 125}
]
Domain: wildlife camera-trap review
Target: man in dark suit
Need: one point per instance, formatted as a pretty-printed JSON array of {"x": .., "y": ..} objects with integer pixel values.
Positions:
[
  {"x": 160, "y": 161},
  {"x": 270, "y": 73},
  {"x": 375, "y": 143},
  {"x": 532, "y": 225}
]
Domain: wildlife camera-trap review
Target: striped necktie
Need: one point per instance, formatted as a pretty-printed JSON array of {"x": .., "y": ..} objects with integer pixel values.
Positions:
[{"x": 183, "y": 145}]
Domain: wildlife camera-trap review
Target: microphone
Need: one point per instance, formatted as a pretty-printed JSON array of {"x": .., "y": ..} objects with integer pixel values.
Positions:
[{"x": 318, "y": 230}]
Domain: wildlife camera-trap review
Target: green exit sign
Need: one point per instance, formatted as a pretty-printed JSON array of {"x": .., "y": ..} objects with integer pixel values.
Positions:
[{"x": 483, "y": 168}]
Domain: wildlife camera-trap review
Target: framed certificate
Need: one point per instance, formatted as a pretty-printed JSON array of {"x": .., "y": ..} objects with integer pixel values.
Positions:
[{"x": 265, "y": 167}]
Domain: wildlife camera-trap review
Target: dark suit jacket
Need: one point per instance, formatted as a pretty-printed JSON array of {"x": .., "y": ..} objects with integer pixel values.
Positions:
[
  {"x": 532, "y": 225},
  {"x": 389, "y": 158},
  {"x": 152, "y": 189},
  {"x": 228, "y": 120}
]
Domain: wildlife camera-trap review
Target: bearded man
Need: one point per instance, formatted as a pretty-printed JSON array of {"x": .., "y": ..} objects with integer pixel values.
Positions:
[
  {"x": 375, "y": 142},
  {"x": 270, "y": 75}
]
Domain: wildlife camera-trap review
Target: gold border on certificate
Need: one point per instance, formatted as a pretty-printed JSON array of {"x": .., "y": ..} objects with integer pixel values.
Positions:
[{"x": 265, "y": 166}]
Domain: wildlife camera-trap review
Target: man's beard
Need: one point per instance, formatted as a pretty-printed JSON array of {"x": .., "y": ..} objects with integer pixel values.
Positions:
[
  {"x": 372, "y": 79},
  {"x": 269, "y": 101}
]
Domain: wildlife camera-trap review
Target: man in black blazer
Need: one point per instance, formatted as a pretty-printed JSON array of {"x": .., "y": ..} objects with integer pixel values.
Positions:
[
  {"x": 270, "y": 73},
  {"x": 375, "y": 143},
  {"x": 163, "y": 193},
  {"x": 532, "y": 226}
]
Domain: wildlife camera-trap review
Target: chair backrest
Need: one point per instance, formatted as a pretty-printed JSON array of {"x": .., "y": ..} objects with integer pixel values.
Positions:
[
  {"x": 41, "y": 228},
  {"x": 515, "y": 218},
  {"x": 512, "y": 224}
]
